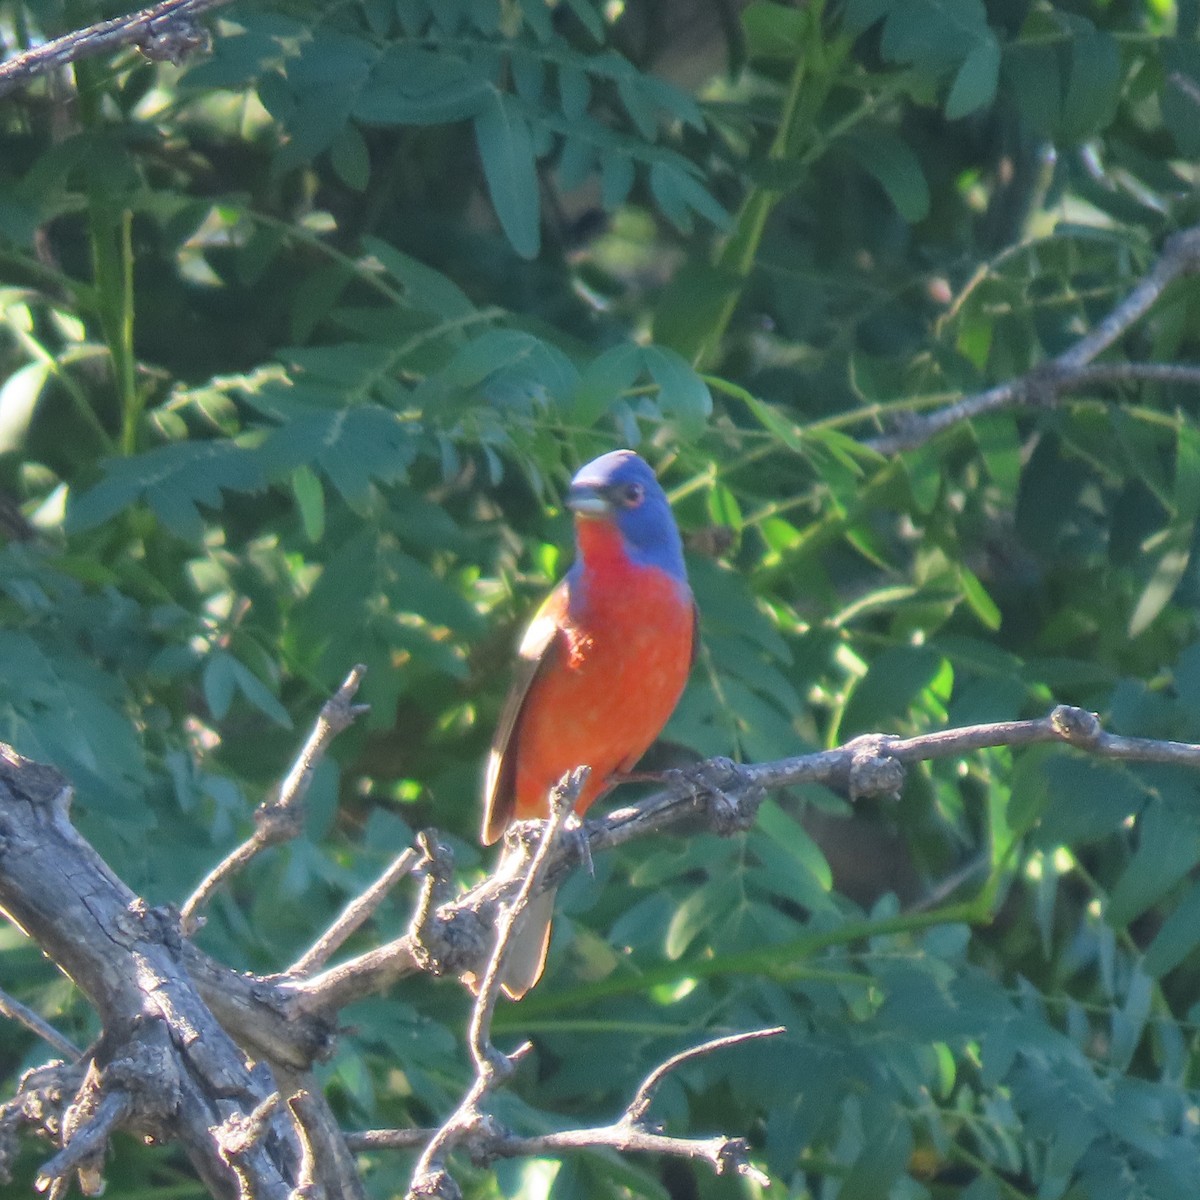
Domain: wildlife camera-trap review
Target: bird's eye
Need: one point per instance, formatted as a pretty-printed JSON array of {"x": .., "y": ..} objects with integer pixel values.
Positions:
[{"x": 632, "y": 494}]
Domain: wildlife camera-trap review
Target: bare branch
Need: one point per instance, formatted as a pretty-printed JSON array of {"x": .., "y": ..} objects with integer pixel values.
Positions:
[
  {"x": 313, "y": 1151},
  {"x": 14, "y": 1010},
  {"x": 717, "y": 795},
  {"x": 364, "y": 975},
  {"x": 168, "y": 1053},
  {"x": 168, "y": 32},
  {"x": 42, "y": 1098},
  {"x": 487, "y": 1144},
  {"x": 430, "y": 1177},
  {"x": 131, "y": 961},
  {"x": 353, "y": 916},
  {"x": 1071, "y": 371},
  {"x": 644, "y": 1096},
  {"x": 487, "y": 1141},
  {"x": 282, "y": 818},
  {"x": 562, "y": 804},
  {"x": 86, "y": 1145},
  {"x": 241, "y": 1135},
  {"x": 723, "y": 1154}
]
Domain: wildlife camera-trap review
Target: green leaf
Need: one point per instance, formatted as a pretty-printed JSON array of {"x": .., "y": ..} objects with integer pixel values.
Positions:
[
  {"x": 786, "y": 433},
  {"x": 427, "y": 289},
  {"x": 173, "y": 480},
  {"x": 351, "y": 160},
  {"x": 506, "y": 151},
  {"x": 589, "y": 17},
  {"x": 933, "y": 35},
  {"x": 691, "y": 305},
  {"x": 1168, "y": 848},
  {"x": 605, "y": 379},
  {"x": 976, "y": 81},
  {"x": 792, "y": 837},
  {"x": 574, "y": 90},
  {"x": 220, "y": 683},
  {"x": 310, "y": 499},
  {"x": 1032, "y": 72},
  {"x": 897, "y": 169},
  {"x": 1088, "y": 799},
  {"x": 318, "y": 119},
  {"x": 977, "y": 598},
  {"x": 412, "y": 85},
  {"x": 1187, "y": 472},
  {"x": 18, "y": 399},
  {"x": 682, "y": 393},
  {"x": 774, "y": 30},
  {"x": 1181, "y": 63},
  {"x": 860, "y": 15},
  {"x": 703, "y": 909},
  {"x": 679, "y": 194},
  {"x": 1178, "y": 937},
  {"x": 1093, "y": 84},
  {"x": 354, "y": 447},
  {"x": 891, "y": 685},
  {"x": 885, "y": 1154},
  {"x": 616, "y": 179},
  {"x": 1164, "y": 581}
]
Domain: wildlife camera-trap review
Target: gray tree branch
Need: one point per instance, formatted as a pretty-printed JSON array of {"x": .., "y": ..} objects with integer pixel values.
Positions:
[
  {"x": 180, "y": 1029},
  {"x": 282, "y": 818},
  {"x": 1073, "y": 370},
  {"x": 168, "y": 31}
]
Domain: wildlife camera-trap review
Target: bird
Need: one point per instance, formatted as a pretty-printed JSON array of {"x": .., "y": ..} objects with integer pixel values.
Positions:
[{"x": 599, "y": 669}]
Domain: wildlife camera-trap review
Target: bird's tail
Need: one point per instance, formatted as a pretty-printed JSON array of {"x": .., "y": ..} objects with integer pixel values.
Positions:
[{"x": 527, "y": 946}]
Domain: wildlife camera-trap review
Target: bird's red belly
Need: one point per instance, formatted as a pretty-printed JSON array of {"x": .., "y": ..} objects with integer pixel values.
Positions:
[{"x": 619, "y": 671}]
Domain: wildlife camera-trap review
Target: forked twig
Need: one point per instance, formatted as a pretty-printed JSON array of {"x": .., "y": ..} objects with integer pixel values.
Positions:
[
  {"x": 628, "y": 1133},
  {"x": 1073, "y": 369},
  {"x": 282, "y": 818},
  {"x": 353, "y": 915}
]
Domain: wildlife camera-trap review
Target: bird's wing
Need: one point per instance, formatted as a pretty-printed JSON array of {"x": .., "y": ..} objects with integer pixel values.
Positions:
[{"x": 535, "y": 651}]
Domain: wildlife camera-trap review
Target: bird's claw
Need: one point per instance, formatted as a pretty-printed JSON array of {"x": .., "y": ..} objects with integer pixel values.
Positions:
[
  {"x": 717, "y": 788},
  {"x": 576, "y": 834}
]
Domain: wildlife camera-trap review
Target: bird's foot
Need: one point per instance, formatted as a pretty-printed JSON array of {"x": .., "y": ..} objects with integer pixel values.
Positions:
[
  {"x": 719, "y": 790},
  {"x": 576, "y": 841}
]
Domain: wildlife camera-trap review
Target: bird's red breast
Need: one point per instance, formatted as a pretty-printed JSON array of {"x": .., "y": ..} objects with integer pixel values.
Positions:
[
  {"x": 617, "y": 650},
  {"x": 608, "y": 655}
]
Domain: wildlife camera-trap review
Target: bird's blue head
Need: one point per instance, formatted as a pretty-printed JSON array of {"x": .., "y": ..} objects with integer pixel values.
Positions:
[{"x": 621, "y": 488}]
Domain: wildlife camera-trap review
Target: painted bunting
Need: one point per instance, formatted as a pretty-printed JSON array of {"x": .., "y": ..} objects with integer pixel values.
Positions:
[{"x": 600, "y": 668}]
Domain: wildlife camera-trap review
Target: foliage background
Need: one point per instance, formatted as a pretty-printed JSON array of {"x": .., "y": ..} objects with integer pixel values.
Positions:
[{"x": 300, "y": 344}]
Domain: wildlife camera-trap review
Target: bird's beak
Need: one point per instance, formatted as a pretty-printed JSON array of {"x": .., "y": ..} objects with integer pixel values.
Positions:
[{"x": 588, "y": 501}]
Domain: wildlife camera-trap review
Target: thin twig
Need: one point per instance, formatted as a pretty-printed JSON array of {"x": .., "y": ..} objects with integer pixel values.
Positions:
[
  {"x": 355, "y": 913},
  {"x": 562, "y": 804},
  {"x": 1131, "y": 372},
  {"x": 363, "y": 975},
  {"x": 240, "y": 1133},
  {"x": 87, "y": 1142},
  {"x": 488, "y": 1143},
  {"x": 166, "y": 31},
  {"x": 280, "y": 819},
  {"x": 644, "y": 1096},
  {"x": 14, "y": 1010},
  {"x": 627, "y": 1134},
  {"x": 307, "y": 1187},
  {"x": 1071, "y": 370},
  {"x": 429, "y": 1177}
]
